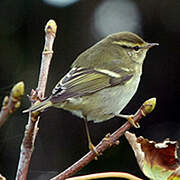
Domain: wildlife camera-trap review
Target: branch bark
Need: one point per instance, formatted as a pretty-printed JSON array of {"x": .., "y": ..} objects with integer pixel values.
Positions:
[
  {"x": 31, "y": 130},
  {"x": 107, "y": 142}
]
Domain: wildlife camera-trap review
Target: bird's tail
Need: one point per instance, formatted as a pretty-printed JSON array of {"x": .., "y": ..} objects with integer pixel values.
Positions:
[{"x": 39, "y": 107}]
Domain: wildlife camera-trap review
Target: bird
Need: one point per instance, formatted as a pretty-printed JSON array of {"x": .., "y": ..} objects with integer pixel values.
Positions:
[{"x": 101, "y": 81}]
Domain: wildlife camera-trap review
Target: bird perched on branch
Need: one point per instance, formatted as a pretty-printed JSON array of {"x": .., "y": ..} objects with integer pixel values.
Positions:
[{"x": 102, "y": 80}]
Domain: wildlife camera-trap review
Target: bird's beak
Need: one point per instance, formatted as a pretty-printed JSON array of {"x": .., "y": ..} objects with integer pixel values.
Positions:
[{"x": 150, "y": 45}]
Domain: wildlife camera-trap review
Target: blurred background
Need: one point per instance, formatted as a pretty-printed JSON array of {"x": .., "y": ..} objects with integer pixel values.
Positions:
[{"x": 62, "y": 139}]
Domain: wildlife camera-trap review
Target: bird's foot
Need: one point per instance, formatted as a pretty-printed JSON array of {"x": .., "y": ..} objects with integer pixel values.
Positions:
[
  {"x": 93, "y": 148},
  {"x": 130, "y": 119}
]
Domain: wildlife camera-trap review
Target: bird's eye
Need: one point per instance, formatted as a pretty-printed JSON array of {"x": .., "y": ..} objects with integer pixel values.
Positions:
[{"x": 136, "y": 48}]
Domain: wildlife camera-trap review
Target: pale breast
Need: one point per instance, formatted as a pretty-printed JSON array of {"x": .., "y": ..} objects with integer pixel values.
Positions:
[{"x": 113, "y": 100}]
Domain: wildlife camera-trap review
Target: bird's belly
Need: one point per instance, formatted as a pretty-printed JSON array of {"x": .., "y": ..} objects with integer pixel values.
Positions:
[{"x": 103, "y": 104}]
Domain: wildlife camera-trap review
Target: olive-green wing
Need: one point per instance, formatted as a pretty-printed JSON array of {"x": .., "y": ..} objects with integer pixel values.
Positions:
[{"x": 84, "y": 81}]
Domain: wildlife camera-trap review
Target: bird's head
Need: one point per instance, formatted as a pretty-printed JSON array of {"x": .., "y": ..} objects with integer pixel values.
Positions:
[{"x": 131, "y": 44}]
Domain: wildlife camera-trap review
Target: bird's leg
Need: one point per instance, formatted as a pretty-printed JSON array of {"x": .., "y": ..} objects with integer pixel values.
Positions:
[
  {"x": 130, "y": 119},
  {"x": 91, "y": 146}
]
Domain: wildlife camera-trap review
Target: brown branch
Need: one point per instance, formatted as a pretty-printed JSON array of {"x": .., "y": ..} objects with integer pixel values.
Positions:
[
  {"x": 106, "y": 175},
  {"x": 31, "y": 130},
  {"x": 11, "y": 103},
  {"x": 106, "y": 143}
]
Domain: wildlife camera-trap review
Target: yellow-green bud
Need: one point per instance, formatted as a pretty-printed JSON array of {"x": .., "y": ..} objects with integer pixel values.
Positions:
[
  {"x": 149, "y": 105},
  {"x": 18, "y": 90},
  {"x": 51, "y": 27}
]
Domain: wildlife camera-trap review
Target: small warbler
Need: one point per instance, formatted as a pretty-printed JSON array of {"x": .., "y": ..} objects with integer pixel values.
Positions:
[{"x": 102, "y": 80}]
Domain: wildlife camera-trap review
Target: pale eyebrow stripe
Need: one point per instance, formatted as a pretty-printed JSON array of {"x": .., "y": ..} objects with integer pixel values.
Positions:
[{"x": 127, "y": 44}]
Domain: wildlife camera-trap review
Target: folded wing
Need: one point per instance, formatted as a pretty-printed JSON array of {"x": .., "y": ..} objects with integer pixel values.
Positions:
[{"x": 84, "y": 81}]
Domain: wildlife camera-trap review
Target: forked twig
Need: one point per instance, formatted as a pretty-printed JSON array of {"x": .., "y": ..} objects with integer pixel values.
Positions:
[{"x": 31, "y": 130}]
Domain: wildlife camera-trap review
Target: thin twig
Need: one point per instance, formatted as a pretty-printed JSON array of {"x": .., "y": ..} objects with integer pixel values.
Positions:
[
  {"x": 106, "y": 175},
  {"x": 11, "y": 103},
  {"x": 107, "y": 142},
  {"x": 31, "y": 130}
]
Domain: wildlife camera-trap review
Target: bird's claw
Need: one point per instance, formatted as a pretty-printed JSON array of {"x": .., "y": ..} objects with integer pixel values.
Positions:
[
  {"x": 131, "y": 120},
  {"x": 93, "y": 148}
]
